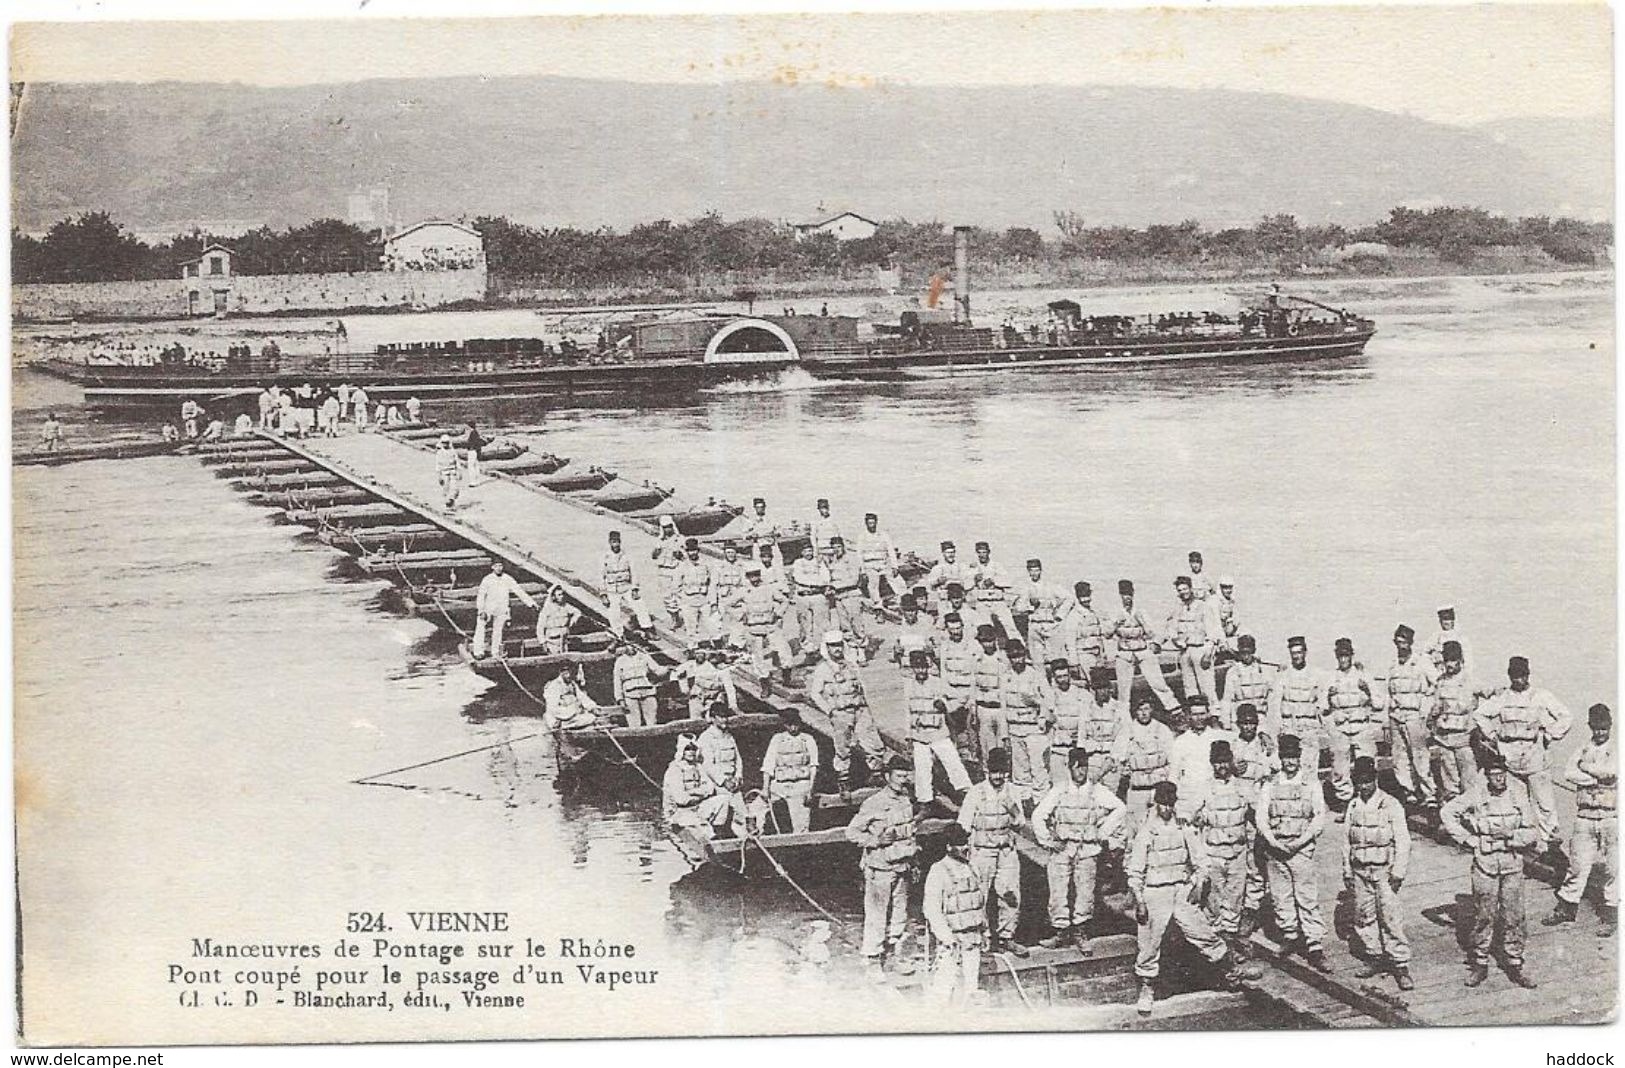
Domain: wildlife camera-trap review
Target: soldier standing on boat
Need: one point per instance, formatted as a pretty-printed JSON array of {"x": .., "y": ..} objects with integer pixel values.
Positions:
[
  {"x": 1290, "y": 814},
  {"x": 885, "y": 827},
  {"x": 1376, "y": 857},
  {"x": 761, "y": 611},
  {"x": 1135, "y": 652},
  {"x": 823, "y": 527},
  {"x": 616, "y": 576},
  {"x": 727, "y": 583},
  {"x": 1025, "y": 723},
  {"x": 1450, "y": 723},
  {"x": 810, "y": 579},
  {"x": 1447, "y": 632},
  {"x": 927, "y": 703},
  {"x": 1143, "y": 752},
  {"x": 1196, "y": 635},
  {"x": 758, "y": 531},
  {"x": 1521, "y": 723},
  {"x": 1297, "y": 703},
  {"x": 1045, "y": 607},
  {"x": 956, "y": 663},
  {"x": 1168, "y": 879},
  {"x": 1351, "y": 714},
  {"x": 693, "y": 581},
  {"x": 1076, "y": 821},
  {"x": 1500, "y": 829},
  {"x": 51, "y": 433},
  {"x": 990, "y": 588},
  {"x": 1201, "y": 585},
  {"x": 554, "y": 621},
  {"x": 1099, "y": 726},
  {"x": 719, "y": 756},
  {"x": 448, "y": 471},
  {"x": 836, "y": 689},
  {"x": 636, "y": 683},
  {"x": 1083, "y": 633},
  {"x": 788, "y": 769},
  {"x": 1224, "y": 816},
  {"x": 1593, "y": 771},
  {"x": 492, "y": 605},
  {"x": 668, "y": 557},
  {"x": 1247, "y": 682},
  {"x": 708, "y": 681},
  {"x": 913, "y": 636},
  {"x": 845, "y": 575},
  {"x": 1065, "y": 712},
  {"x": 992, "y": 812},
  {"x": 1225, "y": 606},
  {"x": 878, "y": 558},
  {"x": 947, "y": 569},
  {"x": 1190, "y": 753},
  {"x": 954, "y": 909},
  {"x": 1407, "y": 690},
  {"x": 954, "y": 603}
]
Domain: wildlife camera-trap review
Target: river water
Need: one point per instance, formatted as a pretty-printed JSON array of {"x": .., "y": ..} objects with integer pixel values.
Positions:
[{"x": 199, "y": 688}]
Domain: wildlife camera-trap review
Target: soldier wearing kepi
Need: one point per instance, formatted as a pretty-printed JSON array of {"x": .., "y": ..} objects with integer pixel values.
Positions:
[
  {"x": 492, "y": 605},
  {"x": 1045, "y": 607},
  {"x": 1075, "y": 821},
  {"x": 836, "y": 688},
  {"x": 554, "y": 621},
  {"x": 1135, "y": 652},
  {"x": 1593, "y": 771},
  {"x": 693, "y": 578},
  {"x": 884, "y": 826},
  {"x": 1297, "y": 704},
  {"x": 1450, "y": 725},
  {"x": 1194, "y": 630},
  {"x": 1167, "y": 878},
  {"x": 1247, "y": 683},
  {"x": 1521, "y": 723},
  {"x": 1500, "y": 830},
  {"x": 1447, "y": 632},
  {"x": 1351, "y": 714},
  {"x": 990, "y": 590},
  {"x": 1143, "y": 751},
  {"x": 810, "y": 579},
  {"x": 1067, "y": 705},
  {"x": 845, "y": 575},
  {"x": 956, "y": 660},
  {"x": 988, "y": 689},
  {"x": 1375, "y": 860},
  {"x": 1098, "y": 728},
  {"x": 878, "y": 558},
  {"x": 788, "y": 770},
  {"x": 1406, "y": 689},
  {"x": 992, "y": 813},
  {"x": 1290, "y": 814},
  {"x": 616, "y": 574},
  {"x": 636, "y": 679},
  {"x": 761, "y": 609},
  {"x": 955, "y": 909},
  {"x": 823, "y": 526},
  {"x": 1225, "y": 605},
  {"x": 1083, "y": 632},
  {"x": 1026, "y": 723},
  {"x": 1224, "y": 817},
  {"x": 927, "y": 703},
  {"x": 1256, "y": 758}
]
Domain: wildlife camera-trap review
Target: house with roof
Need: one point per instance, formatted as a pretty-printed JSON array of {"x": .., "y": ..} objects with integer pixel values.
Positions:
[
  {"x": 435, "y": 245},
  {"x": 207, "y": 281},
  {"x": 847, "y": 226}
]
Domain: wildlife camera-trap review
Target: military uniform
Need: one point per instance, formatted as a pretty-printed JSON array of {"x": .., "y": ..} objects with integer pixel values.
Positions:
[
  {"x": 928, "y": 703},
  {"x": 1523, "y": 725},
  {"x": 1450, "y": 726},
  {"x": 1025, "y": 705},
  {"x": 992, "y": 816},
  {"x": 1143, "y": 754},
  {"x": 616, "y": 575},
  {"x": 1352, "y": 727},
  {"x": 1075, "y": 823},
  {"x": 1595, "y": 840},
  {"x": 1407, "y": 690},
  {"x": 1287, "y": 809},
  {"x": 635, "y": 689},
  {"x": 837, "y": 691},
  {"x": 1196, "y": 635},
  {"x": 788, "y": 770},
  {"x": 1245, "y": 684},
  {"x": 1503, "y": 829},
  {"x": 1376, "y": 854},
  {"x": 884, "y": 827},
  {"x": 1166, "y": 857},
  {"x": 1224, "y": 817},
  {"x": 1297, "y": 706},
  {"x": 954, "y": 904}
]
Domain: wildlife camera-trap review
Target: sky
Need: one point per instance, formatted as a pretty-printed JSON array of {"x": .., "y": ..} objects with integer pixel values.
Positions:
[{"x": 1460, "y": 64}]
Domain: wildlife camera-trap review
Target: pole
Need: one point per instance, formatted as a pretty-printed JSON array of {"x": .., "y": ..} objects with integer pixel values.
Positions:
[{"x": 962, "y": 275}]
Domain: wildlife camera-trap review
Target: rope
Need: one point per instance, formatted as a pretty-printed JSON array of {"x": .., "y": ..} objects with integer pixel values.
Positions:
[
  {"x": 1004, "y": 959},
  {"x": 440, "y": 760},
  {"x": 756, "y": 840}
]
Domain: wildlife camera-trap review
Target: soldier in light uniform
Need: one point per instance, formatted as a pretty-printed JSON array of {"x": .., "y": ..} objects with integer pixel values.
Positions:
[
  {"x": 1224, "y": 816},
  {"x": 1201, "y": 584},
  {"x": 761, "y": 611},
  {"x": 845, "y": 576},
  {"x": 616, "y": 576},
  {"x": 1450, "y": 726},
  {"x": 955, "y": 907},
  {"x": 823, "y": 526},
  {"x": 878, "y": 560},
  {"x": 913, "y": 635},
  {"x": 492, "y": 605},
  {"x": 1194, "y": 631},
  {"x": 1190, "y": 754},
  {"x": 884, "y": 826},
  {"x": 1255, "y": 757},
  {"x": 1297, "y": 703},
  {"x": 926, "y": 700},
  {"x": 775, "y": 575},
  {"x": 1067, "y": 704},
  {"x": 636, "y": 684},
  {"x": 1075, "y": 821},
  {"x": 1351, "y": 718},
  {"x": 954, "y": 603},
  {"x": 554, "y": 621},
  {"x": 1407, "y": 690},
  {"x": 719, "y": 756},
  {"x": 1376, "y": 857},
  {"x": 727, "y": 582},
  {"x": 945, "y": 570},
  {"x": 1099, "y": 726},
  {"x": 1289, "y": 815},
  {"x": 566, "y": 705},
  {"x": 1143, "y": 753},
  {"x": 1248, "y": 682},
  {"x": 1593, "y": 771},
  {"x": 1135, "y": 652},
  {"x": 992, "y": 812},
  {"x": 788, "y": 769},
  {"x": 448, "y": 471},
  {"x": 809, "y": 579},
  {"x": 1225, "y": 605},
  {"x": 1083, "y": 633},
  {"x": 1447, "y": 632},
  {"x": 690, "y": 799},
  {"x": 668, "y": 557},
  {"x": 1025, "y": 721},
  {"x": 988, "y": 688},
  {"x": 990, "y": 591},
  {"x": 836, "y": 689},
  {"x": 1499, "y": 827},
  {"x": 1521, "y": 723},
  {"x": 956, "y": 663},
  {"x": 1045, "y": 607},
  {"x": 693, "y": 581},
  {"x": 759, "y": 532},
  {"x": 1167, "y": 876}
]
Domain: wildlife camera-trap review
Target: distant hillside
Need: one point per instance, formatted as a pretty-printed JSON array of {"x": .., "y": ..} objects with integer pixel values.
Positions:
[
  {"x": 554, "y": 151},
  {"x": 1578, "y": 152}
]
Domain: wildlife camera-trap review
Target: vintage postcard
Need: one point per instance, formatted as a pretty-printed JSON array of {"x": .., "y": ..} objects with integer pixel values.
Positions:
[{"x": 722, "y": 524}]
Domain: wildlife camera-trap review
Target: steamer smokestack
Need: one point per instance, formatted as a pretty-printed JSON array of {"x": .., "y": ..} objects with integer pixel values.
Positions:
[{"x": 962, "y": 275}]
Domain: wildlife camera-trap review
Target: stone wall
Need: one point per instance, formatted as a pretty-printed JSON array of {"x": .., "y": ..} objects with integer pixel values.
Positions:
[{"x": 250, "y": 294}]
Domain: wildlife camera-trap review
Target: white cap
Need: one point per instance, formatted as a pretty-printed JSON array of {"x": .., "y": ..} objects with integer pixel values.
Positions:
[
  {"x": 1226, "y": 580},
  {"x": 1443, "y": 608},
  {"x": 668, "y": 521},
  {"x": 834, "y": 637},
  {"x": 445, "y": 439}
]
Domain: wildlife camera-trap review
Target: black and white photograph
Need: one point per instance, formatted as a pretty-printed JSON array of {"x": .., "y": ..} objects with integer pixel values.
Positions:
[{"x": 700, "y": 524}]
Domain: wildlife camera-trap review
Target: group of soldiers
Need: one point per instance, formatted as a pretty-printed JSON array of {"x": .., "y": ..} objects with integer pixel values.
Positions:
[{"x": 1023, "y": 694}]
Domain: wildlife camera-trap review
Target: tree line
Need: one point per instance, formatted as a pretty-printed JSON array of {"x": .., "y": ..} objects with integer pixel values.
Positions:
[{"x": 94, "y": 247}]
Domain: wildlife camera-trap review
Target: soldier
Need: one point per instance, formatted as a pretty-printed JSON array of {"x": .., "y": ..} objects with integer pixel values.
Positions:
[
  {"x": 1297, "y": 703},
  {"x": 1500, "y": 829},
  {"x": 1099, "y": 727},
  {"x": 761, "y": 610},
  {"x": 1593, "y": 771},
  {"x": 719, "y": 752},
  {"x": 1142, "y": 750},
  {"x": 635, "y": 683},
  {"x": 1201, "y": 585},
  {"x": 1194, "y": 630},
  {"x": 1447, "y": 632},
  {"x": 878, "y": 558},
  {"x": 668, "y": 557},
  {"x": 1190, "y": 754},
  {"x": 809, "y": 579},
  {"x": 1067, "y": 704},
  {"x": 927, "y": 702},
  {"x": 727, "y": 583},
  {"x": 992, "y": 813},
  {"x": 1407, "y": 690},
  {"x": 616, "y": 573},
  {"x": 955, "y": 604},
  {"x": 1255, "y": 755},
  {"x": 788, "y": 770},
  {"x": 913, "y": 636},
  {"x": 1083, "y": 632},
  {"x": 1521, "y": 723},
  {"x": 1289, "y": 815},
  {"x": 836, "y": 689},
  {"x": 991, "y": 667},
  {"x": 845, "y": 575},
  {"x": 1248, "y": 682},
  {"x": 566, "y": 705},
  {"x": 1224, "y": 816},
  {"x": 824, "y": 528},
  {"x": 1026, "y": 723},
  {"x": 947, "y": 569},
  {"x": 691, "y": 800},
  {"x": 760, "y": 532},
  {"x": 955, "y": 909},
  {"x": 1376, "y": 857},
  {"x": 1045, "y": 607},
  {"x": 956, "y": 662},
  {"x": 1225, "y": 605},
  {"x": 884, "y": 826},
  {"x": 1135, "y": 652},
  {"x": 1075, "y": 821},
  {"x": 1167, "y": 875},
  {"x": 1351, "y": 715},
  {"x": 990, "y": 590},
  {"x": 554, "y": 621},
  {"x": 707, "y": 680},
  {"x": 492, "y": 606},
  {"x": 693, "y": 581},
  {"x": 1450, "y": 726}
]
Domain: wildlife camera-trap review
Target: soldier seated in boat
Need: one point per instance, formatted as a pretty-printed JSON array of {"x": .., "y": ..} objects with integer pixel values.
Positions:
[
  {"x": 567, "y": 706},
  {"x": 690, "y": 799}
]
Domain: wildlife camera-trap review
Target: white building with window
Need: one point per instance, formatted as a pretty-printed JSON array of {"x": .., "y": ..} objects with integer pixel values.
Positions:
[
  {"x": 435, "y": 245},
  {"x": 208, "y": 281}
]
